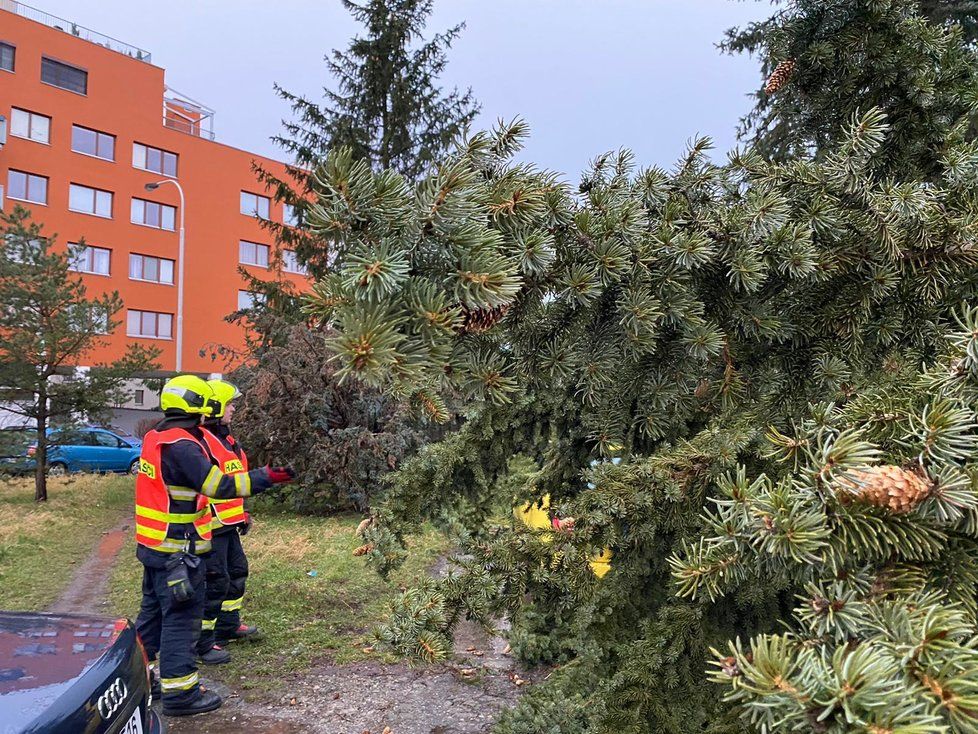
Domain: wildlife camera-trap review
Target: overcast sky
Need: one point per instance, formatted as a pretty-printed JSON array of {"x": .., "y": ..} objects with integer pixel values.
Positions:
[{"x": 588, "y": 75}]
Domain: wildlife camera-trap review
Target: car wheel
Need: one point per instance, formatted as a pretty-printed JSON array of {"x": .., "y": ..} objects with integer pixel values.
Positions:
[
  {"x": 134, "y": 467},
  {"x": 57, "y": 469}
]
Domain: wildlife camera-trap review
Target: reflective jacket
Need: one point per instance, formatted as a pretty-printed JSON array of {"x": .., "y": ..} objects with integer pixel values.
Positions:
[
  {"x": 169, "y": 517},
  {"x": 177, "y": 478},
  {"x": 230, "y": 459}
]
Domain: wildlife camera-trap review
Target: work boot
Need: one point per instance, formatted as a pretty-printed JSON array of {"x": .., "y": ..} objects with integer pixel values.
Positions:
[
  {"x": 244, "y": 632},
  {"x": 216, "y": 656},
  {"x": 207, "y": 701}
]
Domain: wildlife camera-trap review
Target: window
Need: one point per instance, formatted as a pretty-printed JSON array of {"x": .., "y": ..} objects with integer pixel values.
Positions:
[
  {"x": 92, "y": 142},
  {"x": 291, "y": 264},
  {"x": 7, "y": 55},
  {"x": 90, "y": 201},
  {"x": 251, "y": 253},
  {"x": 153, "y": 269},
  {"x": 254, "y": 205},
  {"x": 152, "y": 214},
  {"x": 149, "y": 324},
  {"x": 291, "y": 216},
  {"x": 138, "y": 397},
  {"x": 27, "y": 187},
  {"x": 90, "y": 259},
  {"x": 154, "y": 159},
  {"x": 64, "y": 76},
  {"x": 105, "y": 440},
  {"x": 30, "y": 125},
  {"x": 246, "y": 300}
]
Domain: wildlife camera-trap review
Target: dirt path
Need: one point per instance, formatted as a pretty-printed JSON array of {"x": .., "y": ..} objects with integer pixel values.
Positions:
[
  {"x": 464, "y": 696},
  {"x": 86, "y": 592}
]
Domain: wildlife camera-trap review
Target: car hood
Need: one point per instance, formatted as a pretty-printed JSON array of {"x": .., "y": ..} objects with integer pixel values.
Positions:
[{"x": 41, "y": 655}]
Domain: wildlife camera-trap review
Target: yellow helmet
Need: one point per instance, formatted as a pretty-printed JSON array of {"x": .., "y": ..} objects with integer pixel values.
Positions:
[
  {"x": 187, "y": 393},
  {"x": 224, "y": 393}
]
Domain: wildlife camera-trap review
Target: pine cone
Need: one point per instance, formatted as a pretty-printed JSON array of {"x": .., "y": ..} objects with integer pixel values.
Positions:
[
  {"x": 481, "y": 319},
  {"x": 364, "y": 524},
  {"x": 363, "y": 549},
  {"x": 888, "y": 487},
  {"x": 781, "y": 76}
]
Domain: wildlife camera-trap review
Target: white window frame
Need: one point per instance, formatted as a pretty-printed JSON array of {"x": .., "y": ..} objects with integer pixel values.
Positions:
[
  {"x": 27, "y": 187},
  {"x": 140, "y": 204},
  {"x": 291, "y": 264},
  {"x": 140, "y": 153},
  {"x": 290, "y": 216},
  {"x": 95, "y": 200},
  {"x": 253, "y": 211},
  {"x": 256, "y": 245},
  {"x": 139, "y": 314},
  {"x": 159, "y": 268},
  {"x": 33, "y": 119},
  {"x": 97, "y": 134},
  {"x": 90, "y": 252}
]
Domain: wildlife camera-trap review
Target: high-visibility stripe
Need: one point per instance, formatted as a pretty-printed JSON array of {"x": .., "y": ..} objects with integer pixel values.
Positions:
[
  {"x": 154, "y": 533},
  {"x": 212, "y": 482},
  {"x": 174, "y": 545},
  {"x": 242, "y": 484},
  {"x": 208, "y": 624},
  {"x": 182, "y": 493},
  {"x": 178, "y": 517},
  {"x": 184, "y": 683},
  {"x": 232, "y": 605}
]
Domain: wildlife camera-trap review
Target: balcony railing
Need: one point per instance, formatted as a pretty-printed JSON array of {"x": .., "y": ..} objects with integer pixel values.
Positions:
[
  {"x": 187, "y": 115},
  {"x": 74, "y": 29}
]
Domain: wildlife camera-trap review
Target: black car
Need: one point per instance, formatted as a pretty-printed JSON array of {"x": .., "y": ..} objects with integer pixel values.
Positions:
[{"x": 68, "y": 674}]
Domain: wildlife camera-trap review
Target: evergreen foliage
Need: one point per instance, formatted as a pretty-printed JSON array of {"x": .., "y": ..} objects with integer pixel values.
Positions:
[
  {"x": 340, "y": 438},
  {"x": 386, "y": 106},
  {"x": 49, "y": 324},
  {"x": 744, "y": 379},
  {"x": 912, "y": 59}
]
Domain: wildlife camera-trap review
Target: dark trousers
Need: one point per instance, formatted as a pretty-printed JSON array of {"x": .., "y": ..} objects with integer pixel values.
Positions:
[
  {"x": 169, "y": 632},
  {"x": 227, "y": 570}
]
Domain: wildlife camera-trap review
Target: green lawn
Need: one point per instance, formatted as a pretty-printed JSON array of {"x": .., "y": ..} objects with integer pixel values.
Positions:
[
  {"x": 42, "y": 543},
  {"x": 303, "y": 617}
]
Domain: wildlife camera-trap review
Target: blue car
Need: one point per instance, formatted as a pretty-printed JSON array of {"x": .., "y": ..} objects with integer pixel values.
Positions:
[{"x": 92, "y": 449}]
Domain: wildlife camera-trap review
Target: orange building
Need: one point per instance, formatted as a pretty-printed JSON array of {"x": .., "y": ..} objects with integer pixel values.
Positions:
[{"x": 89, "y": 123}]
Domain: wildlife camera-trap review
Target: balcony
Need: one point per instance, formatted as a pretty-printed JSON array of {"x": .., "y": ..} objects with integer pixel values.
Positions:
[
  {"x": 86, "y": 34},
  {"x": 187, "y": 115}
]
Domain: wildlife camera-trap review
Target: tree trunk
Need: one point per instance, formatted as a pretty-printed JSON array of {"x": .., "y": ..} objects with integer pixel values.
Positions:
[{"x": 41, "y": 454}]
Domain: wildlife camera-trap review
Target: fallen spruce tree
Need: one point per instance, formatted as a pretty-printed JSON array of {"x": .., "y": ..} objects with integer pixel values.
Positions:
[{"x": 751, "y": 385}]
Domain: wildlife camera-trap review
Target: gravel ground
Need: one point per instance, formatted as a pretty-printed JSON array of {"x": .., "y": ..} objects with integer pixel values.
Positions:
[{"x": 464, "y": 696}]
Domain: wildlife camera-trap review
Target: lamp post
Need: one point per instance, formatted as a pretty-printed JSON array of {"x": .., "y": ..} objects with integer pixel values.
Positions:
[{"x": 180, "y": 248}]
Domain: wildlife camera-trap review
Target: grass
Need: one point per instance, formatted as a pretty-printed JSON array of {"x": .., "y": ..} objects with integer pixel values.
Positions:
[
  {"x": 303, "y": 617},
  {"x": 42, "y": 543}
]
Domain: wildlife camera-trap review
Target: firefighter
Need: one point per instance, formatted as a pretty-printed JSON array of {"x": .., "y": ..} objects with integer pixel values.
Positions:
[
  {"x": 175, "y": 482},
  {"x": 227, "y": 565}
]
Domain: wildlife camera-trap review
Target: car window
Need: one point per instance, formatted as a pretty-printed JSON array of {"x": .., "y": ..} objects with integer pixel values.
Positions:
[
  {"x": 69, "y": 438},
  {"x": 105, "y": 439}
]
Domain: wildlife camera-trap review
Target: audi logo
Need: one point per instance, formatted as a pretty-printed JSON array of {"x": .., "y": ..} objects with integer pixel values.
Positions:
[{"x": 113, "y": 698}]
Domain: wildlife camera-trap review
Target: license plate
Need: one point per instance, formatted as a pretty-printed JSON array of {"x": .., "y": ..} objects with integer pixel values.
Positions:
[{"x": 135, "y": 723}]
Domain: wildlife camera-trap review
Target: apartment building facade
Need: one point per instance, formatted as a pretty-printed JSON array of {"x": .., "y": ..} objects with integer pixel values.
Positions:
[{"x": 90, "y": 126}]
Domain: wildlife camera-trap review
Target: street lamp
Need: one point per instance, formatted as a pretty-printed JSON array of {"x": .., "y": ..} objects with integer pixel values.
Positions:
[{"x": 153, "y": 187}]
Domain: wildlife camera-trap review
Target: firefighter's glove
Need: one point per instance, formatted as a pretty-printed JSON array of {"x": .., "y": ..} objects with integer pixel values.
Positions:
[
  {"x": 178, "y": 568},
  {"x": 280, "y": 474},
  {"x": 244, "y": 527}
]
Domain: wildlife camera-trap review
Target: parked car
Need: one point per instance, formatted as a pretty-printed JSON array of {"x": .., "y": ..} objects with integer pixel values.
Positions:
[
  {"x": 93, "y": 449},
  {"x": 65, "y": 674}
]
